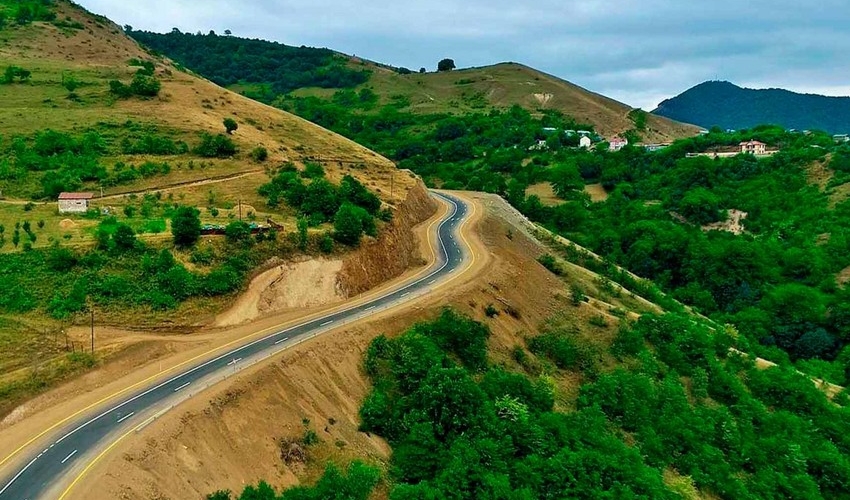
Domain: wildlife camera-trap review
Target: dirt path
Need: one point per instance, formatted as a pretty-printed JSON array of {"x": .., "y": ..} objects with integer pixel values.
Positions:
[{"x": 180, "y": 185}]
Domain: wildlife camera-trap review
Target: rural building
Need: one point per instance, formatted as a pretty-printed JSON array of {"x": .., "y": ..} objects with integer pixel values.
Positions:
[
  {"x": 841, "y": 138},
  {"x": 617, "y": 143},
  {"x": 656, "y": 147},
  {"x": 74, "y": 203},
  {"x": 754, "y": 148},
  {"x": 585, "y": 142},
  {"x": 584, "y": 132}
]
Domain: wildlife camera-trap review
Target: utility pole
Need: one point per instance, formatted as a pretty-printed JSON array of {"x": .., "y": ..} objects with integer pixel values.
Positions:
[
  {"x": 92, "y": 331},
  {"x": 240, "y": 209}
]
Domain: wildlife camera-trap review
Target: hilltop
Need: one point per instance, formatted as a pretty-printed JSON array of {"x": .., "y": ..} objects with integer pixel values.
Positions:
[
  {"x": 267, "y": 70},
  {"x": 506, "y": 84},
  {"x": 729, "y": 106}
]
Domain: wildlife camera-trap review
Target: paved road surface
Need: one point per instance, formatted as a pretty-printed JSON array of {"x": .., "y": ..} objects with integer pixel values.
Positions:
[{"x": 45, "y": 470}]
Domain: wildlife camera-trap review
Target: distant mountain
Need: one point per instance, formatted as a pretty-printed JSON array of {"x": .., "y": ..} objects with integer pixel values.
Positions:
[{"x": 728, "y": 106}]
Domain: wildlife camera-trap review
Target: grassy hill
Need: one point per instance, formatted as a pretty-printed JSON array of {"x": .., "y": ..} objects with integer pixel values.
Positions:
[
  {"x": 267, "y": 70},
  {"x": 86, "y": 108},
  {"x": 728, "y": 106},
  {"x": 506, "y": 84}
]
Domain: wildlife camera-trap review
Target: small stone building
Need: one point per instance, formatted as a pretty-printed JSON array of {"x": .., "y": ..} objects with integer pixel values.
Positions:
[{"x": 74, "y": 203}]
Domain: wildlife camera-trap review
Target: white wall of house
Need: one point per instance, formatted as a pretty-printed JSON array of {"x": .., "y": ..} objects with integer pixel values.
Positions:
[{"x": 73, "y": 206}]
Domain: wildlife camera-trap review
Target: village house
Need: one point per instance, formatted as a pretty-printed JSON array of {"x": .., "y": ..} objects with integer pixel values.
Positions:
[
  {"x": 841, "y": 138},
  {"x": 74, "y": 203},
  {"x": 585, "y": 142},
  {"x": 656, "y": 147},
  {"x": 754, "y": 148},
  {"x": 617, "y": 143}
]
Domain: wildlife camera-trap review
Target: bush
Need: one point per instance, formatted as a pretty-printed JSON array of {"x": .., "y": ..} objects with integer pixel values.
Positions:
[
  {"x": 348, "y": 224},
  {"x": 145, "y": 86},
  {"x": 548, "y": 261},
  {"x": 215, "y": 146},
  {"x": 237, "y": 231},
  {"x": 259, "y": 154},
  {"x": 230, "y": 125},
  {"x": 186, "y": 226}
]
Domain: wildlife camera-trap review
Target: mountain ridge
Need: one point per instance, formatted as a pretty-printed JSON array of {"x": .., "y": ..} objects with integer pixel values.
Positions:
[{"x": 735, "y": 107}]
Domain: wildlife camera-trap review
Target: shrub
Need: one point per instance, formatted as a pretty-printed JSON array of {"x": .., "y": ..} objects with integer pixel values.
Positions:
[
  {"x": 490, "y": 311},
  {"x": 230, "y": 125},
  {"x": 237, "y": 231},
  {"x": 215, "y": 146},
  {"x": 145, "y": 86},
  {"x": 260, "y": 154},
  {"x": 548, "y": 261}
]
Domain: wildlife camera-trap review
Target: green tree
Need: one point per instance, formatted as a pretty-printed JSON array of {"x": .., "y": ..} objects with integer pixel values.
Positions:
[
  {"x": 446, "y": 65},
  {"x": 124, "y": 238},
  {"x": 237, "y": 231},
  {"x": 348, "y": 224},
  {"x": 186, "y": 226},
  {"x": 230, "y": 125},
  {"x": 302, "y": 233}
]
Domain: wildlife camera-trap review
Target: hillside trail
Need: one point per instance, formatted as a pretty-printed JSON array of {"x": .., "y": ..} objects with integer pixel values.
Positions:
[{"x": 164, "y": 188}]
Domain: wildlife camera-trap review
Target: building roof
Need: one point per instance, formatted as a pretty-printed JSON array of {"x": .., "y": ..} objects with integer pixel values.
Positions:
[
  {"x": 753, "y": 143},
  {"x": 618, "y": 140},
  {"x": 76, "y": 196}
]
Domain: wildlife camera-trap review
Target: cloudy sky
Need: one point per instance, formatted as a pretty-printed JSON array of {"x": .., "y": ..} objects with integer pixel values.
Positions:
[{"x": 639, "y": 52}]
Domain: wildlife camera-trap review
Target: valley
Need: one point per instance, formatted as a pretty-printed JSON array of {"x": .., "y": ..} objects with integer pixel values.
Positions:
[{"x": 235, "y": 269}]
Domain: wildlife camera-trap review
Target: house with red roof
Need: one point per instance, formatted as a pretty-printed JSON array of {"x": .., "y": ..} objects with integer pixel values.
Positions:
[{"x": 74, "y": 203}]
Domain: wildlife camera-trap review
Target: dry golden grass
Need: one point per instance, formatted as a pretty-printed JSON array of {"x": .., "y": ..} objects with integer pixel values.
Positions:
[
  {"x": 597, "y": 192},
  {"x": 546, "y": 194}
]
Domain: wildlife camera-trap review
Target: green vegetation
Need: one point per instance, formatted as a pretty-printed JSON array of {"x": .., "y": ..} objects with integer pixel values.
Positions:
[
  {"x": 733, "y": 107},
  {"x": 350, "y": 206},
  {"x": 48, "y": 162},
  {"x": 664, "y": 411},
  {"x": 356, "y": 483},
  {"x": 230, "y": 125},
  {"x": 278, "y": 68}
]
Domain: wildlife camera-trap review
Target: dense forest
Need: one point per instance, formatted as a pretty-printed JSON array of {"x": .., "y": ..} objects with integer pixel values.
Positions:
[
  {"x": 728, "y": 106},
  {"x": 228, "y": 60},
  {"x": 678, "y": 415}
]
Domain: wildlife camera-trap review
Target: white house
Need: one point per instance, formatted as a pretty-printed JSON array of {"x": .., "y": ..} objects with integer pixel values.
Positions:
[
  {"x": 754, "y": 148},
  {"x": 617, "y": 143},
  {"x": 841, "y": 138},
  {"x": 585, "y": 142},
  {"x": 656, "y": 147},
  {"x": 74, "y": 203}
]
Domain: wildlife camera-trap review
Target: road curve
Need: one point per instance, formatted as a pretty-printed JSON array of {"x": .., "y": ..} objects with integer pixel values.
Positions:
[{"x": 75, "y": 447}]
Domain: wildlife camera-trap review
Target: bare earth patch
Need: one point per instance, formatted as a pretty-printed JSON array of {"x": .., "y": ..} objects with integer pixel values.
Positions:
[
  {"x": 306, "y": 284},
  {"x": 546, "y": 194},
  {"x": 733, "y": 224},
  {"x": 597, "y": 192},
  {"x": 843, "y": 277}
]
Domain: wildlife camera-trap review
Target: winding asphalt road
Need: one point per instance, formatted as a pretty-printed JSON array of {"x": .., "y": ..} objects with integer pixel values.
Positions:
[{"x": 45, "y": 471}]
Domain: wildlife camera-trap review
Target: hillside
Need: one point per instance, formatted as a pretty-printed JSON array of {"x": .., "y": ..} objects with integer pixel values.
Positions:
[
  {"x": 266, "y": 70},
  {"x": 506, "y": 84},
  {"x": 85, "y": 108},
  {"x": 728, "y": 106}
]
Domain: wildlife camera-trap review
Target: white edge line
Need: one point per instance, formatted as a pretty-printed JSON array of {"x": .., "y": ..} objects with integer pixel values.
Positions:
[
  {"x": 69, "y": 456},
  {"x": 182, "y": 386},
  {"x": 18, "y": 475},
  {"x": 125, "y": 417}
]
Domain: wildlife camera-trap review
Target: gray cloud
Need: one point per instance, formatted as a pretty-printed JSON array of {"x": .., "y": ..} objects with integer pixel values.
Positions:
[{"x": 639, "y": 52}]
